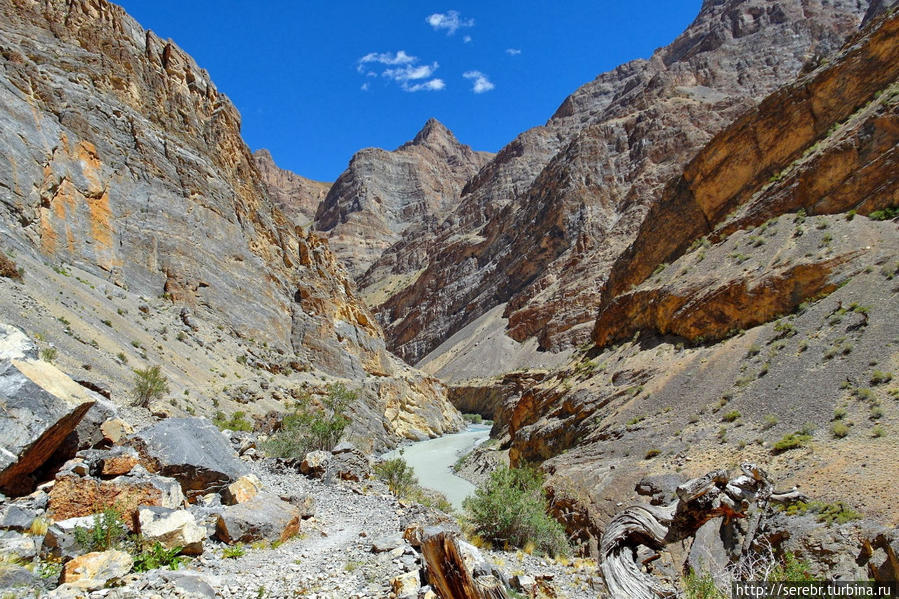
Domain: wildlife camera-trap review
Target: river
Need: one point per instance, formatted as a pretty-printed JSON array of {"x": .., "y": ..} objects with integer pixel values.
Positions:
[{"x": 433, "y": 461}]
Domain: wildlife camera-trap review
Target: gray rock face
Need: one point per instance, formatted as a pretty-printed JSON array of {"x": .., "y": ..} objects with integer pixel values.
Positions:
[
  {"x": 265, "y": 517},
  {"x": 382, "y": 193},
  {"x": 123, "y": 160},
  {"x": 41, "y": 407},
  {"x": 192, "y": 451}
]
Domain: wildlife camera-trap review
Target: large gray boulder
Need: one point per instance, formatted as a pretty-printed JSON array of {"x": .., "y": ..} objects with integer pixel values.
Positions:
[
  {"x": 41, "y": 407},
  {"x": 192, "y": 451},
  {"x": 263, "y": 518},
  {"x": 171, "y": 528}
]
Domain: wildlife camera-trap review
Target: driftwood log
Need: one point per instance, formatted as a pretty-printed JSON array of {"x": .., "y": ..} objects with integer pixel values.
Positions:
[
  {"x": 454, "y": 569},
  {"x": 699, "y": 500}
]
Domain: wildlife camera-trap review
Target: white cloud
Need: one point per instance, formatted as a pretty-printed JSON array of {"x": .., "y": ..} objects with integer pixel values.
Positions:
[
  {"x": 433, "y": 85},
  {"x": 386, "y": 58},
  {"x": 481, "y": 82},
  {"x": 451, "y": 20},
  {"x": 513, "y": 51},
  {"x": 401, "y": 68},
  {"x": 411, "y": 72},
  {"x": 466, "y": 39}
]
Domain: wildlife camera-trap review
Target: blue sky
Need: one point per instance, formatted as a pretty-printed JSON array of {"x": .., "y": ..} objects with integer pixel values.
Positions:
[{"x": 317, "y": 81}]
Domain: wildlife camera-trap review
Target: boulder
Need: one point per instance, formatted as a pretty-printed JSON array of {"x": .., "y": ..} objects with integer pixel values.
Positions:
[
  {"x": 315, "y": 463},
  {"x": 242, "y": 490},
  {"x": 14, "y": 576},
  {"x": 348, "y": 463},
  {"x": 21, "y": 546},
  {"x": 523, "y": 583},
  {"x": 387, "y": 543},
  {"x": 41, "y": 407},
  {"x": 114, "y": 430},
  {"x": 171, "y": 528},
  {"x": 74, "y": 496},
  {"x": 305, "y": 503},
  {"x": 118, "y": 461},
  {"x": 92, "y": 571},
  {"x": 406, "y": 585},
  {"x": 191, "y": 450},
  {"x": 265, "y": 517},
  {"x": 17, "y": 518}
]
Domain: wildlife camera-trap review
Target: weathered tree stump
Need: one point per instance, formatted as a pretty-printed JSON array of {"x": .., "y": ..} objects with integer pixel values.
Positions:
[
  {"x": 699, "y": 500},
  {"x": 451, "y": 565}
]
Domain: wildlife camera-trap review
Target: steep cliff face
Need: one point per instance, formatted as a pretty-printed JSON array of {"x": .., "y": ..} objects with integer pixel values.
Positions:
[
  {"x": 123, "y": 163},
  {"x": 757, "y": 301},
  {"x": 540, "y": 226},
  {"x": 382, "y": 193},
  {"x": 297, "y": 197}
]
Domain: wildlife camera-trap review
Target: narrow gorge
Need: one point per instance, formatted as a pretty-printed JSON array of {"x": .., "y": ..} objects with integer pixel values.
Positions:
[{"x": 646, "y": 349}]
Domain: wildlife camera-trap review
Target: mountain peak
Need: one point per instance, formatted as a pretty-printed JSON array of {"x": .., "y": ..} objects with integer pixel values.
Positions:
[{"x": 433, "y": 132}]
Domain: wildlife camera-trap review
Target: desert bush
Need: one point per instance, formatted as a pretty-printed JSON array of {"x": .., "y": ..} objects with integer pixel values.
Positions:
[
  {"x": 311, "y": 426},
  {"x": 157, "y": 556},
  {"x": 149, "y": 384},
  {"x": 108, "y": 531},
  {"x": 237, "y": 422},
  {"x": 397, "y": 475},
  {"x": 510, "y": 508}
]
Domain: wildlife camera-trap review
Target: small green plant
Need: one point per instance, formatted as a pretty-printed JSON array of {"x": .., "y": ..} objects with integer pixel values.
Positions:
[
  {"x": 511, "y": 508},
  {"x": 149, "y": 384},
  {"x": 887, "y": 213},
  {"x": 791, "y": 569},
  {"x": 157, "y": 556},
  {"x": 880, "y": 378},
  {"x": 839, "y": 413},
  {"x": 770, "y": 421},
  {"x": 731, "y": 416},
  {"x": 397, "y": 475},
  {"x": 878, "y": 431},
  {"x": 652, "y": 453},
  {"x": 181, "y": 336},
  {"x": 108, "y": 531},
  {"x": 753, "y": 350},
  {"x": 107, "y": 322},
  {"x": 48, "y": 354},
  {"x": 122, "y": 357},
  {"x": 792, "y": 441},
  {"x": 636, "y": 420},
  {"x": 237, "y": 421},
  {"x": 473, "y": 418},
  {"x": 234, "y": 551},
  {"x": 702, "y": 587},
  {"x": 839, "y": 429},
  {"x": 876, "y": 413}
]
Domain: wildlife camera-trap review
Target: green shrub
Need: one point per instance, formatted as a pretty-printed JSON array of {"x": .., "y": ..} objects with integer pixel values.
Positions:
[
  {"x": 237, "y": 421},
  {"x": 792, "y": 441},
  {"x": 791, "y": 569},
  {"x": 108, "y": 531},
  {"x": 731, "y": 416},
  {"x": 888, "y": 213},
  {"x": 652, "y": 453},
  {"x": 473, "y": 418},
  {"x": 839, "y": 429},
  {"x": 149, "y": 384},
  {"x": 879, "y": 378},
  {"x": 510, "y": 508},
  {"x": 233, "y": 552},
  {"x": 878, "y": 431},
  {"x": 157, "y": 557},
  {"x": 312, "y": 427},
  {"x": 770, "y": 421},
  {"x": 397, "y": 475},
  {"x": 702, "y": 587},
  {"x": 48, "y": 354},
  {"x": 827, "y": 513},
  {"x": 839, "y": 413}
]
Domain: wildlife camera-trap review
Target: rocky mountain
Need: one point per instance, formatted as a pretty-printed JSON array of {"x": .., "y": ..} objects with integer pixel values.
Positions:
[
  {"x": 297, "y": 197},
  {"x": 751, "y": 319},
  {"x": 382, "y": 194},
  {"x": 145, "y": 235},
  {"x": 539, "y": 227}
]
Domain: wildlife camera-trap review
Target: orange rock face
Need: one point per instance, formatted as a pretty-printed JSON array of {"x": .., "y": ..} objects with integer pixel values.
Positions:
[{"x": 72, "y": 496}]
